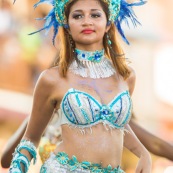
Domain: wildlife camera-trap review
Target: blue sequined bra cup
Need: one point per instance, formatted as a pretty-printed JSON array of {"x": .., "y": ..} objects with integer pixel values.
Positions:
[{"x": 79, "y": 109}]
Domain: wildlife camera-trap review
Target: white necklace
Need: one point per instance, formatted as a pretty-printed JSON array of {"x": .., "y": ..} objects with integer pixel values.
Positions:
[{"x": 92, "y": 64}]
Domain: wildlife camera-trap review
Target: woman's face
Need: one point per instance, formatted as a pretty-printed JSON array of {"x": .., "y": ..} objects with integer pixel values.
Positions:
[{"x": 87, "y": 24}]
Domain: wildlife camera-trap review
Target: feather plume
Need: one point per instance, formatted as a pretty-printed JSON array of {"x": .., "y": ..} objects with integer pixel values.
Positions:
[
  {"x": 126, "y": 13},
  {"x": 50, "y": 20}
]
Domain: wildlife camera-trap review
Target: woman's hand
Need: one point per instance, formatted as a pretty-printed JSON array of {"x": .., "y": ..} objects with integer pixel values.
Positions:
[{"x": 144, "y": 164}]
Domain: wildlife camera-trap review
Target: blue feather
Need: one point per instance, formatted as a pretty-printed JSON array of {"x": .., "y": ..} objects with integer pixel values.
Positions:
[
  {"x": 126, "y": 13},
  {"x": 55, "y": 26},
  {"x": 51, "y": 2},
  {"x": 50, "y": 20}
]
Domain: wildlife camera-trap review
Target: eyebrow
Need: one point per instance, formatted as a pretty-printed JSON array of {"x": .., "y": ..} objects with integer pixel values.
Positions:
[{"x": 82, "y": 10}]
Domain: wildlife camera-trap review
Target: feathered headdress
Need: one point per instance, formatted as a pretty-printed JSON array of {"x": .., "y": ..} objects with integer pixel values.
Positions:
[{"x": 119, "y": 11}]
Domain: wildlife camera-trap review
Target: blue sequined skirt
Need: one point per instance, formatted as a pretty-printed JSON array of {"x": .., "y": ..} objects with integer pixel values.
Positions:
[{"x": 61, "y": 163}]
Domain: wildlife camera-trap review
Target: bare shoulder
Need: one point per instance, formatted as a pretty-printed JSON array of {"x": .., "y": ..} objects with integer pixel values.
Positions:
[
  {"x": 49, "y": 77},
  {"x": 48, "y": 81},
  {"x": 131, "y": 80},
  {"x": 47, "y": 86}
]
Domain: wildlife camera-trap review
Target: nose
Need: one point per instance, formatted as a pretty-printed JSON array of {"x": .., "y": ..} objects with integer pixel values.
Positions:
[{"x": 87, "y": 21}]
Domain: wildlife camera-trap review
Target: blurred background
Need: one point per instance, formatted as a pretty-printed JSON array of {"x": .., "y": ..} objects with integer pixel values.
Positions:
[{"x": 23, "y": 57}]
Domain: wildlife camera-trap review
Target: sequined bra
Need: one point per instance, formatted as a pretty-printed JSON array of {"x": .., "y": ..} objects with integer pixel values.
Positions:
[{"x": 81, "y": 110}]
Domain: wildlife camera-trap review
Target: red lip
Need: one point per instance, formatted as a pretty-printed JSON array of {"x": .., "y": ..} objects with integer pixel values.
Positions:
[{"x": 87, "y": 31}]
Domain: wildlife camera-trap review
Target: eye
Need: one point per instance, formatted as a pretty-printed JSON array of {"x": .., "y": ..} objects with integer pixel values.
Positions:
[
  {"x": 77, "y": 16},
  {"x": 95, "y": 15}
]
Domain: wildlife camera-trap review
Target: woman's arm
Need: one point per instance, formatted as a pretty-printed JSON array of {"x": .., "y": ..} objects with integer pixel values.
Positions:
[
  {"x": 154, "y": 144},
  {"x": 44, "y": 103},
  {"x": 6, "y": 156},
  {"x": 132, "y": 143}
]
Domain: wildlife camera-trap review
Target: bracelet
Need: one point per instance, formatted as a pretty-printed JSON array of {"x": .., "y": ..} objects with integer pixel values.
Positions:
[{"x": 19, "y": 158}]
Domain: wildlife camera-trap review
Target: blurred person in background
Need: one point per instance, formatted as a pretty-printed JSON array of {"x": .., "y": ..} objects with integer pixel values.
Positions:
[
  {"x": 91, "y": 69},
  {"x": 153, "y": 143}
]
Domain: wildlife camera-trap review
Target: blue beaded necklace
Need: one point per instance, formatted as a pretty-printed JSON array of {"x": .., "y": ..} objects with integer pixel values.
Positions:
[{"x": 93, "y": 56}]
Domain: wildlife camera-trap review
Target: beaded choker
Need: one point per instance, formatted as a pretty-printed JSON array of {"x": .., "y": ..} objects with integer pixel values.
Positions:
[
  {"x": 93, "y": 56},
  {"x": 92, "y": 64}
]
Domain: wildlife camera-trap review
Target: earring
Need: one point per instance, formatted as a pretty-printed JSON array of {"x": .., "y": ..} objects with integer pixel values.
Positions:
[
  {"x": 72, "y": 43},
  {"x": 108, "y": 39}
]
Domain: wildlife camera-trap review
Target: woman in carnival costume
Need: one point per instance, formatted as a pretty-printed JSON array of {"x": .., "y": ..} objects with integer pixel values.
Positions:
[{"x": 90, "y": 87}]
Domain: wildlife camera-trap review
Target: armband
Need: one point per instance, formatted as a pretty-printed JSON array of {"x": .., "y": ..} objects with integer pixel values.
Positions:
[{"x": 19, "y": 158}]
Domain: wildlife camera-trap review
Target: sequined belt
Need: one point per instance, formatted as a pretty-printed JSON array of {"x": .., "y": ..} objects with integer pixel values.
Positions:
[{"x": 61, "y": 163}]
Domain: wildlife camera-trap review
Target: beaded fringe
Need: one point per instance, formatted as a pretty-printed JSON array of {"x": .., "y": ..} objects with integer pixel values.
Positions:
[{"x": 102, "y": 69}]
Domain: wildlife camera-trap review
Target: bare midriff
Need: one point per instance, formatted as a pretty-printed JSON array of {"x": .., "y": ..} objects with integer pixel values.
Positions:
[{"x": 98, "y": 144}]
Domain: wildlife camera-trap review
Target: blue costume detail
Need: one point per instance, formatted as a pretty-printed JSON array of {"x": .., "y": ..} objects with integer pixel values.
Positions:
[
  {"x": 81, "y": 110},
  {"x": 119, "y": 10},
  {"x": 93, "y": 56},
  {"x": 20, "y": 159},
  {"x": 62, "y": 163}
]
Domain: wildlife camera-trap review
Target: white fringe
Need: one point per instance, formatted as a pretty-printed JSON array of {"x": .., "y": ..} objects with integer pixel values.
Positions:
[{"x": 102, "y": 69}]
